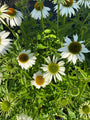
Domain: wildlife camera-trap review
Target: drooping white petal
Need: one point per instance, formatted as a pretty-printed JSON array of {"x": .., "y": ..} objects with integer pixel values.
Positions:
[
  {"x": 58, "y": 77},
  {"x": 82, "y": 56},
  {"x": 74, "y": 58}
]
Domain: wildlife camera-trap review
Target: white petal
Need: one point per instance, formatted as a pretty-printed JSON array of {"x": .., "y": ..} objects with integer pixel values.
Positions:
[
  {"x": 62, "y": 69},
  {"x": 63, "y": 49},
  {"x": 65, "y": 54},
  {"x": 58, "y": 77},
  {"x": 55, "y": 78},
  {"x": 68, "y": 40},
  {"x": 79, "y": 57},
  {"x": 82, "y": 56},
  {"x": 61, "y": 63},
  {"x": 62, "y": 73},
  {"x": 70, "y": 57},
  {"x": 85, "y": 50},
  {"x": 75, "y": 37},
  {"x": 74, "y": 58}
]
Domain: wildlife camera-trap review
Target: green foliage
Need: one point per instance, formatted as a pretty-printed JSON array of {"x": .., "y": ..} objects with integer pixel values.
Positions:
[{"x": 45, "y": 103}]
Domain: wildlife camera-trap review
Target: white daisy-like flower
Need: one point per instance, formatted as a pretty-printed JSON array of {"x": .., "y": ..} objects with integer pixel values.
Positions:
[
  {"x": 36, "y": 12},
  {"x": 73, "y": 50},
  {"x": 84, "y": 110},
  {"x": 39, "y": 80},
  {"x": 5, "y": 43},
  {"x": 53, "y": 69},
  {"x": 67, "y": 8},
  {"x": 86, "y": 3},
  {"x": 15, "y": 17},
  {"x": 26, "y": 59},
  {"x": 23, "y": 117},
  {"x": 3, "y": 10}
]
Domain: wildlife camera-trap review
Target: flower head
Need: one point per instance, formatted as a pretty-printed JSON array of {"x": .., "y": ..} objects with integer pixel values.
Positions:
[
  {"x": 39, "y": 80},
  {"x": 15, "y": 17},
  {"x": 26, "y": 59},
  {"x": 5, "y": 43},
  {"x": 6, "y": 106},
  {"x": 36, "y": 13},
  {"x": 86, "y": 3},
  {"x": 67, "y": 7},
  {"x": 23, "y": 117},
  {"x": 10, "y": 66},
  {"x": 73, "y": 50},
  {"x": 84, "y": 110},
  {"x": 63, "y": 101},
  {"x": 53, "y": 69},
  {"x": 74, "y": 91}
]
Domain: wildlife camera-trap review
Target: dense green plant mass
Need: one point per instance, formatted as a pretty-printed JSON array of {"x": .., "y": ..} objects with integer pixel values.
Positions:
[{"x": 39, "y": 45}]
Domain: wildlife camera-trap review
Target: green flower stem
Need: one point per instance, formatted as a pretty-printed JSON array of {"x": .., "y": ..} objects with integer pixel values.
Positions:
[
  {"x": 86, "y": 18},
  {"x": 23, "y": 32},
  {"x": 84, "y": 86},
  {"x": 79, "y": 12},
  {"x": 41, "y": 16},
  {"x": 77, "y": 75},
  {"x": 58, "y": 19},
  {"x": 14, "y": 34},
  {"x": 82, "y": 34},
  {"x": 64, "y": 19}
]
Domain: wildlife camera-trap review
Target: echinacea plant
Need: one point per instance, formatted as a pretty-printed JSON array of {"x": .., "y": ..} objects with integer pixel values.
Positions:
[{"x": 44, "y": 60}]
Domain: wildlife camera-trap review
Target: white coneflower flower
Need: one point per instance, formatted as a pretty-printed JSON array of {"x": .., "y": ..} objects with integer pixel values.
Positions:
[
  {"x": 36, "y": 13},
  {"x": 39, "y": 80},
  {"x": 86, "y": 3},
  {"x": 26, "y": 59},
  {"x": 15, "y": 17},
  {"x": 84, "y": 110},
  {"x": 67, "y": 7},
  {"x": 23, "y": 117},
  {"x": 3, "y": 10},
  {"x": 53, "y": 69},
  {"x": 73, "y": 50},
  {"x": 5, "y": 43}
]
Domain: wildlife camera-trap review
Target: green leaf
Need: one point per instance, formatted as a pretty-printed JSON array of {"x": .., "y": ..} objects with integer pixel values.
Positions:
[
  {"x": 47, "y": 31},
  {"x": 40, "y": 46},
  {"x": 71, "y": 114}
]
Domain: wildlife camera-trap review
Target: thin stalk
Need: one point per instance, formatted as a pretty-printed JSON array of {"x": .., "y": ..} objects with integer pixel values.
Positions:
[
  {"x": 64, "y": 19},
  {"x": 41, "y": 16},
  {"x": 23, "y": 32},
  {"x": 82, "y": 34},
  {"x": 14, "y": 34},
  {"x": 86, "y": 18},
  {"x": 84, "y": 86},
  {"x": 79, "y": 12},
  {"x": 58, "y": 19}
]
